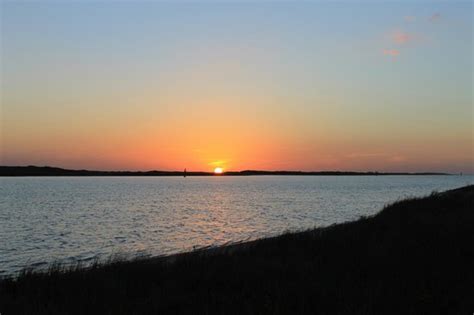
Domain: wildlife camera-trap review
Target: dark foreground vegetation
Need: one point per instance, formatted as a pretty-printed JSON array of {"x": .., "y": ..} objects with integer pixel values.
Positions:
[
  {"x": 414, "y": 257},
  {"x": 56, "y": 171}
]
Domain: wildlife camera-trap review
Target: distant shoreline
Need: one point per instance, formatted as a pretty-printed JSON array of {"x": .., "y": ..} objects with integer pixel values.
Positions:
[{"x": 19, "y": 171}]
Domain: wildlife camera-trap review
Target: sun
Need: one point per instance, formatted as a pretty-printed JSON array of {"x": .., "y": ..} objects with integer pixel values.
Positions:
[{"x": 218, "y": 170}]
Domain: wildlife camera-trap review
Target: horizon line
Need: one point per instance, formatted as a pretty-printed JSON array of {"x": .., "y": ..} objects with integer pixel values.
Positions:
[{"x": 15, "y": 170}]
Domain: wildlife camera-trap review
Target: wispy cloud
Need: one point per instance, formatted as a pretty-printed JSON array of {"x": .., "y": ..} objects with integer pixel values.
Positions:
[
  {"x": 401, "y": 37},
  {"x": 436, "y": 17},
  {"x": 391, "y": 52}
]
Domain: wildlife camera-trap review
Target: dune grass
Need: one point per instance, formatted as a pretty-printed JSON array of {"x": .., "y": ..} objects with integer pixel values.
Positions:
[{"x": 415, "y": 257}]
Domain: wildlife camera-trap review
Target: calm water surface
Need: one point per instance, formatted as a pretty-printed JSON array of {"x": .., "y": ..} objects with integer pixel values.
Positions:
[{"x": 72, "y": 219}]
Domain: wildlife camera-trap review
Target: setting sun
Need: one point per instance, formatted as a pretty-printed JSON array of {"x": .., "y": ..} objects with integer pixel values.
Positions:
[{"x": 218, "y": 170}]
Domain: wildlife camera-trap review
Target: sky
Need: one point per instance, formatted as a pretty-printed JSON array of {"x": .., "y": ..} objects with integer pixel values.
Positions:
[{"x": 363, "y": 86}]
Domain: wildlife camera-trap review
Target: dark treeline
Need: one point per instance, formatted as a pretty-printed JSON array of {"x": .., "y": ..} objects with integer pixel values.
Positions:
[
  {"x": 56, "y": 171},
  {"x": 414, "y": 257}
]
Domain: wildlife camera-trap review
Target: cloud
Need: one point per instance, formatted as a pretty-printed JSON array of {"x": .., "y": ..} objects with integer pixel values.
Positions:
[
  {"x": 436, "y": 17},
  {"x": 401, "y": 38},
  {"x": 391, "y": 52}
]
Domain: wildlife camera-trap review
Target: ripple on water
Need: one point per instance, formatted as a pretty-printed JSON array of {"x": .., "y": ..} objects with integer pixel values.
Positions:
[{"x": 70, "y": 220}]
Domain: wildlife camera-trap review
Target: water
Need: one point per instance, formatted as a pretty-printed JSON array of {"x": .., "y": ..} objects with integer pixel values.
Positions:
[{"x": 71, "y": 219}]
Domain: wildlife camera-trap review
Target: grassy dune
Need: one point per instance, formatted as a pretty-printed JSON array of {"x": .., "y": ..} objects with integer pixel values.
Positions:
[{"x": 414, "y": 257}]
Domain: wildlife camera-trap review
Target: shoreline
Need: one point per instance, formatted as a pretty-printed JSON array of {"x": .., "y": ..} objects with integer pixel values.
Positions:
[
  {"x": 43, "y": 171},
  {"x": 415, "y": 256}
]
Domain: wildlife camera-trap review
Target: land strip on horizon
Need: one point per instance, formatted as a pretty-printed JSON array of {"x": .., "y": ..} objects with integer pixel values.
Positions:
[{"x": 56, "y": 171}]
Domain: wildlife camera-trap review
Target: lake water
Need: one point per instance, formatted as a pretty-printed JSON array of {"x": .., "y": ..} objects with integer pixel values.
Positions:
[{"x": 71, "y": 219}]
